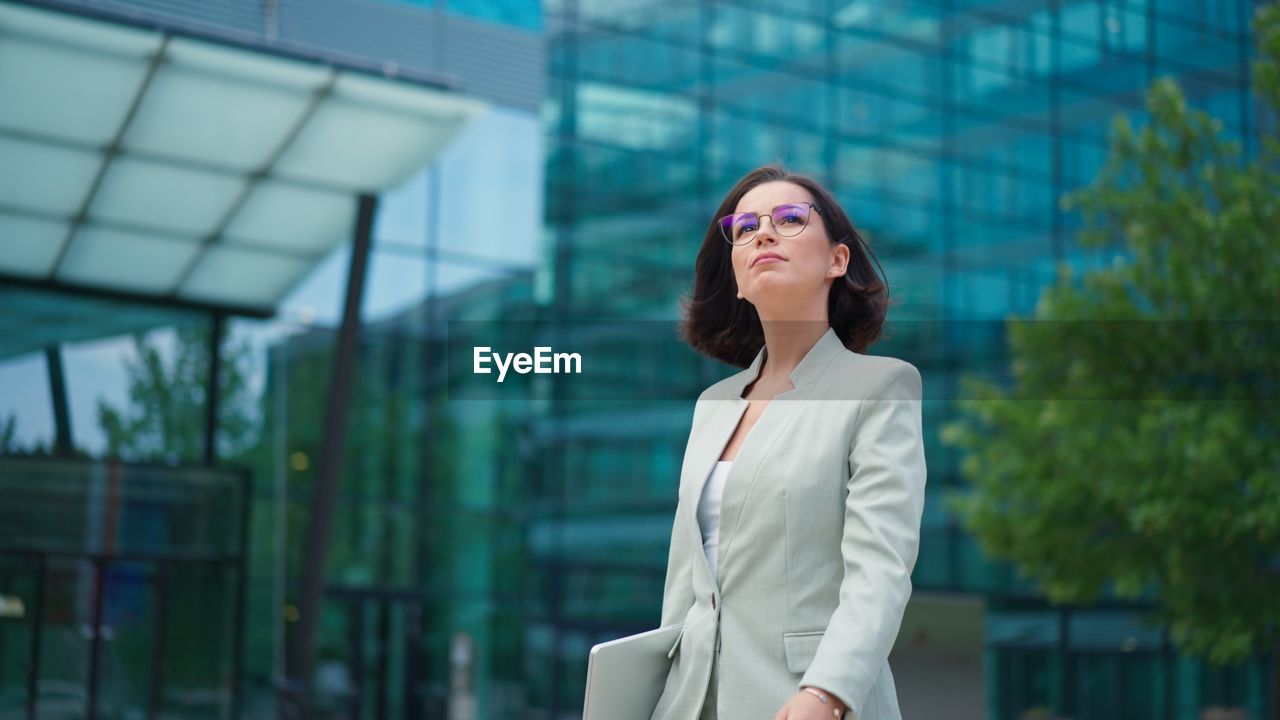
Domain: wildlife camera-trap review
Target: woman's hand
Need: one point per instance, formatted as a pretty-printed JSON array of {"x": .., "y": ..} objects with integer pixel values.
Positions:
[{"x": 807, "y": 706}]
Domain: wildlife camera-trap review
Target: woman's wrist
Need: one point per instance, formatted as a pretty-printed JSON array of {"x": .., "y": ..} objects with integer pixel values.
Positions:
[{"x": 838, "y": 708}]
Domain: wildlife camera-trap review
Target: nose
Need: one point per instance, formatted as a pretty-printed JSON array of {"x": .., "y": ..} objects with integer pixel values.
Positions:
[{"x": 760, "y": 230}]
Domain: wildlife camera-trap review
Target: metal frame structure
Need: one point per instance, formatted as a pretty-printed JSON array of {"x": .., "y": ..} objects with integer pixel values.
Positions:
[
  {"x": 161, "y": 563},
  {"x": 301, "y": 644}
]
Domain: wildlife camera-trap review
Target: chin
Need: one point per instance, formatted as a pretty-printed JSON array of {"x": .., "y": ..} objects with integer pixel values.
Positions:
[{"x": 775, "y": 282}]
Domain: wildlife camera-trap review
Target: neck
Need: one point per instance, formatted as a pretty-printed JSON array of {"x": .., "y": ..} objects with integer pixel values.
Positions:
[
  {"x": 794, "y": 308},
  {"x": 787, "y": 342}
]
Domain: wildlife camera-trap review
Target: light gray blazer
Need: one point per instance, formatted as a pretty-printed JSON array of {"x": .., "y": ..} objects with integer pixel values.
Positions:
[{"x": 819, "y": 532}]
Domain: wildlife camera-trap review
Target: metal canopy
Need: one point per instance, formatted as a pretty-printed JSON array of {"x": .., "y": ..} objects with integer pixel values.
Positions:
[{"x": 140, "y": 162}]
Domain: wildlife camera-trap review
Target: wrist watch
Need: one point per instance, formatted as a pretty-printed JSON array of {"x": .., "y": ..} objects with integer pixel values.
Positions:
[{"x": 836, "y": 713}]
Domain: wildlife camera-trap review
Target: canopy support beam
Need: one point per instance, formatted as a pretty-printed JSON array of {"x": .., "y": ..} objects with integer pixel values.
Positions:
[{"x": 301, "y": 642}]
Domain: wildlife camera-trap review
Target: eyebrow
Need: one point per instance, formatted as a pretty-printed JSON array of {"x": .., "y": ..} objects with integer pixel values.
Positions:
[{"x": 774, "y": 209}]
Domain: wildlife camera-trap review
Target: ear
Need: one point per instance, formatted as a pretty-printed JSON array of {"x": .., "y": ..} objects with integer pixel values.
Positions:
[{"x": 839, "y": 261}]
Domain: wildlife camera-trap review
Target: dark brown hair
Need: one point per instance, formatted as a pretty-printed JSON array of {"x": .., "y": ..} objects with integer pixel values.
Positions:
[{"x": 719, "y": 324}]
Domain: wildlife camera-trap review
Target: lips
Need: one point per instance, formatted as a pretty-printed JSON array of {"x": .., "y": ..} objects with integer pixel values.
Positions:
[{"x": 766, "y": 256}]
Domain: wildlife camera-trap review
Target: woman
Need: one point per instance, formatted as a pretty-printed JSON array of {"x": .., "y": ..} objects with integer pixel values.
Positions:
[{"x": 802, "y": 487}]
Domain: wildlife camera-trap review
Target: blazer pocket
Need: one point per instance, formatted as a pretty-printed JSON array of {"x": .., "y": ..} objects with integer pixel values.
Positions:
[
  {"x": 671, "y": 653},
  {"x": 800, "y": 648}
]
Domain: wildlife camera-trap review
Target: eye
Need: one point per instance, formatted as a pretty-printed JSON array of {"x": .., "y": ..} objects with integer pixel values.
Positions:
[
  {"x": 746, "y": 223},
  {"x": 791, "y": 215}
]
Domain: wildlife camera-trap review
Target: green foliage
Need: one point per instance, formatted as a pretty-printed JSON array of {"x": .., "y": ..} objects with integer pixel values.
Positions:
[
  {"x": 165, "y": 419},
  {"x": 8, "y": 433},
  {"x": 9, "y": 443},
  {"x": 1138, "y": 457}
]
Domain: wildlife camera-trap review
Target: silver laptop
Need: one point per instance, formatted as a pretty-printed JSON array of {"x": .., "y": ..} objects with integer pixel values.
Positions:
[{"x": 625, "y": 677}]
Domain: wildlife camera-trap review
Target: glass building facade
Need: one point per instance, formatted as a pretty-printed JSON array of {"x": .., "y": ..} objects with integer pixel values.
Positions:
[
  {"x": 478, "y": 550},
  {"x": 949, "y": 129}
]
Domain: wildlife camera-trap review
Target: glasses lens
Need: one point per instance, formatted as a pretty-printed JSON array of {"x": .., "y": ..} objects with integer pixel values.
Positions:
[
  {"x": 790, "y": 219},
  {"x": 739, "y": 226}
]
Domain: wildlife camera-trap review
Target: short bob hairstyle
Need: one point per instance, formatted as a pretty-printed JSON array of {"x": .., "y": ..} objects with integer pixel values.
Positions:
[{"x": 721, "y": 325}]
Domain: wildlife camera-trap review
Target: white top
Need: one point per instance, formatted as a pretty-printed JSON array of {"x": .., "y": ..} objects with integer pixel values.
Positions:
[{"x": 709, "y": 511}]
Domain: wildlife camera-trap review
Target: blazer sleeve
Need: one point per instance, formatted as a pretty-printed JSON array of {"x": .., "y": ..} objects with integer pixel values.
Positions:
[{"x": 881, "y": 537}]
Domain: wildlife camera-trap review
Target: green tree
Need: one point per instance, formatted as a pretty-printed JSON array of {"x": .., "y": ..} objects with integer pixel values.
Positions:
[
  {"x": 9, "y": 443},
  {"x": 1142, "y": 457},
  {"x": 8, "y": 433},
  {"x": 165, "y": 417}
]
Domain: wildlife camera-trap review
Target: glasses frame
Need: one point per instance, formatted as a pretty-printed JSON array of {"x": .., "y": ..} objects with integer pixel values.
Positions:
[{"x": 724, "y": 232}]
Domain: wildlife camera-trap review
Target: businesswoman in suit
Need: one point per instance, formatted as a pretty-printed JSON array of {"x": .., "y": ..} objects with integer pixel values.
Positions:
[{"x": 802, "y": 486}]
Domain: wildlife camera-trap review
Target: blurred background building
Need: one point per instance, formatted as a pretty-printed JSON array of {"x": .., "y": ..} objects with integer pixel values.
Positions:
[{"x": 193, "y": 195}]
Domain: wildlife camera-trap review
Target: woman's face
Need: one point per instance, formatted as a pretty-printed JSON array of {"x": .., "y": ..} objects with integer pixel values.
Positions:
[{"x": 808, "y": 259}]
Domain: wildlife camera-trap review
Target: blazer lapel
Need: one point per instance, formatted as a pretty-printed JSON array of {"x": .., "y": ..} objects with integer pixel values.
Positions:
[
  {"x": 723, "y": 415},
  {"x": 726, "y": 409}
]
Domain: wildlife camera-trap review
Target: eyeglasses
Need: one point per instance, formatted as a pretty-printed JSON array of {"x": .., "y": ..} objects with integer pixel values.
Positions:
[{"x": 788, "y": 220}]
